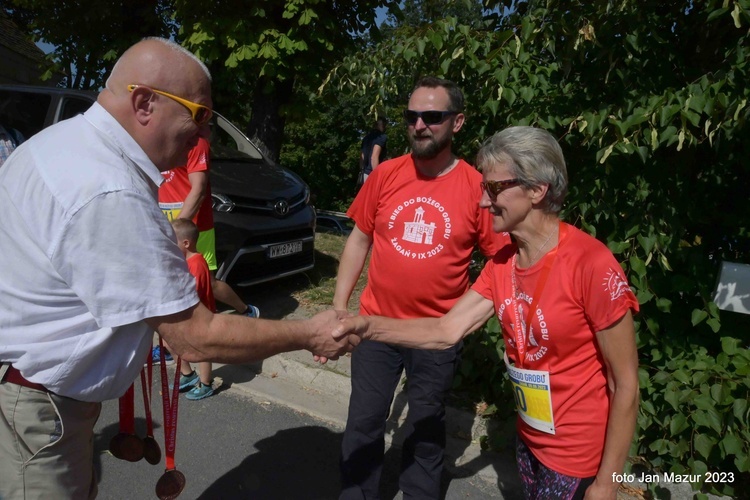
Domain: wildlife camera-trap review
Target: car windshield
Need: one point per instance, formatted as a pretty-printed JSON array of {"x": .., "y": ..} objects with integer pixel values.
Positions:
[
  {"x": 223, "y": 152},
  {"x": 231, "y": 145}
]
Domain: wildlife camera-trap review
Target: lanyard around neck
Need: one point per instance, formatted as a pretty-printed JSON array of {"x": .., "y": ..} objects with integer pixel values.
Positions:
[{"x": 520, "y": 332}]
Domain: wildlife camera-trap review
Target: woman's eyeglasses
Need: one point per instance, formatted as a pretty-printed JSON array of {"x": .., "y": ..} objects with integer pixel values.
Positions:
[
  {"x": 494, "y": 188},
  {"x": 200, "y": 113},
  {"x": 428, "y": 117}
]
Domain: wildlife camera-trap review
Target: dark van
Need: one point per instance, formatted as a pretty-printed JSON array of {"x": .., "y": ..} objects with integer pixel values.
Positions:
[{"x": 264, "y": 221}]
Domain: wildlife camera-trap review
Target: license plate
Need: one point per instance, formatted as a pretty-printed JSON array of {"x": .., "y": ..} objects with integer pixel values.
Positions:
[{"x": 284, "y": 249}]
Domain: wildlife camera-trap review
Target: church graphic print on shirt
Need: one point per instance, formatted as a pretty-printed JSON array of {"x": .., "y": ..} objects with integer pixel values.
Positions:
[
  {"x": 418, "y": 231},
  {"x": 419, "y": 228}
]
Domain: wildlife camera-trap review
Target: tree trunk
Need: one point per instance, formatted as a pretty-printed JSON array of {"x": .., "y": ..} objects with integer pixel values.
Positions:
[{"x": 266, "y": 126}]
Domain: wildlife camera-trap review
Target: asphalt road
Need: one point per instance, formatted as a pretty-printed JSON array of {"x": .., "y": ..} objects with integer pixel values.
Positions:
[{"x": 232, "y": 446}]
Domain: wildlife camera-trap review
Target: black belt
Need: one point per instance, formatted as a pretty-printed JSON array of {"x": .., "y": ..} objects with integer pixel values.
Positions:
[{"x": 14, "y": 377}]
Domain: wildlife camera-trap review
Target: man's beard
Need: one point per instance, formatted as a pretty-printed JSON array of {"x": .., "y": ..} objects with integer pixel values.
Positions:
[{"x": 427, "y": 150}]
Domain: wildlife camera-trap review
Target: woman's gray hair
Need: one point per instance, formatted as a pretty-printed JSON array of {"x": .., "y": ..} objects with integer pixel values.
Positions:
[{"x": 533, "y": 156}]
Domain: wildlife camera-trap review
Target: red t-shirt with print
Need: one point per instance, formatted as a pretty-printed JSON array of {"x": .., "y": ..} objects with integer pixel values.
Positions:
[
  {"x": 586, "y": 292},
  {"x": 198, "y": 267},
  {"x": 424, "y": 230},
  {"x": 176, "y": 186}
]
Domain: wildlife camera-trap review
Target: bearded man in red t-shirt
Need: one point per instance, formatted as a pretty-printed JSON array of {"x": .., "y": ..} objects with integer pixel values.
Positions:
[{"x": 420, "y": 215}]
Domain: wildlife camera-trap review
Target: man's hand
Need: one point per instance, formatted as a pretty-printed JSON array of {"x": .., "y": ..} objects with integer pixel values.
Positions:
[
  {"x": 322, "y": 342},
  {"x": 351, "y": 327}
]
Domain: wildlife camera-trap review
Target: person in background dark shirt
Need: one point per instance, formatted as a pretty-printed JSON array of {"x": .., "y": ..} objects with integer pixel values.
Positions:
[{"x": 373, "y": 149}]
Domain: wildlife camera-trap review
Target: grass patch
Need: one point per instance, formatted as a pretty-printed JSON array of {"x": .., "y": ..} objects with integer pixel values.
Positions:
[{"x": 322, "y": 278}]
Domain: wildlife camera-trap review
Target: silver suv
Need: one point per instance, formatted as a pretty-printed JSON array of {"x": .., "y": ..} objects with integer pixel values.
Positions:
[{"x": 264, "y": 221}]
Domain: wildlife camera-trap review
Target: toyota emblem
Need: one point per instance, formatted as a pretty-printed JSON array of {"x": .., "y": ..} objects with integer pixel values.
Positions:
[{"x": 281, "y": 207}]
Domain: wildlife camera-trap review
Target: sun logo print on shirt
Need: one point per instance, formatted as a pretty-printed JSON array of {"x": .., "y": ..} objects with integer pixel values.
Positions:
[{"x": 615, "y": 284}]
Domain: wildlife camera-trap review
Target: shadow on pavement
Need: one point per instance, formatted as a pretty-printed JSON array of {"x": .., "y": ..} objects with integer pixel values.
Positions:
[
  {"x": 237, "y": 374},
  {"x": 274, "y": 299},
  {"x": 293, "y": 463}
]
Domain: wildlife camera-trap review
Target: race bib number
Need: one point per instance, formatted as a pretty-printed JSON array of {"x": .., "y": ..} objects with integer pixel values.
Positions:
[
  {"x": 171, "y": 210},
  {"x": 533, "y": 395}
]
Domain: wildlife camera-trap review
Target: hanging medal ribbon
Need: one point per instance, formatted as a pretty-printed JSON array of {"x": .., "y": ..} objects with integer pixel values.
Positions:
[
  {"x": 172, "y": 482},
  {"x": 126, "y": 445},
  {"x": 520, "y": 330},
  {"x": 151, "y": 450}
]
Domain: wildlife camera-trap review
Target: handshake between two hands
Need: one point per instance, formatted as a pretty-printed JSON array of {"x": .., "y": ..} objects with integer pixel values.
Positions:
[{"x": 334, "y": 333}]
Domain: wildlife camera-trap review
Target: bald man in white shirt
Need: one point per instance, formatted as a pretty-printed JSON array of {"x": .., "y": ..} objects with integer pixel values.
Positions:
[{"x": 80, "y": 224}]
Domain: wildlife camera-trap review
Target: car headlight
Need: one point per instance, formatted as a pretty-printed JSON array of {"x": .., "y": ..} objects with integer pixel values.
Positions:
[{"x": 221, "y": 203}]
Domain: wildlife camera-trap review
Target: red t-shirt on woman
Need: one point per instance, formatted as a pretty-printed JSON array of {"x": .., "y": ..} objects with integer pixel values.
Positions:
[{"x": 586, "y": 292}]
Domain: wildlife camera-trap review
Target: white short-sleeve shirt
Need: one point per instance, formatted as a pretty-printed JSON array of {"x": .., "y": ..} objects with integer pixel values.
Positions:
[{"x": 86, "y": 256}]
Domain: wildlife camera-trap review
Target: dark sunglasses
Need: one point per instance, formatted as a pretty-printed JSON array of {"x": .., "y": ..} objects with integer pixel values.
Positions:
[
  {"x": 428, "y": 117},
  {"x": 494, "y": 188}
]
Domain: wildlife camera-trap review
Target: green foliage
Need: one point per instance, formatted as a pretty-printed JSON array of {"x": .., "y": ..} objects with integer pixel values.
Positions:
[
  {"x": 417, "y": 13},
  {"x": 694, "y": 411},
  {"x": 90, "y": 34},
  {"x": 323, "y": 146},
  {"x": 650, "y": 103},
  {"x": 324, "y": 150},
  {"x": 278, "y": 40},
  {"x": 261, "y": 50}
]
